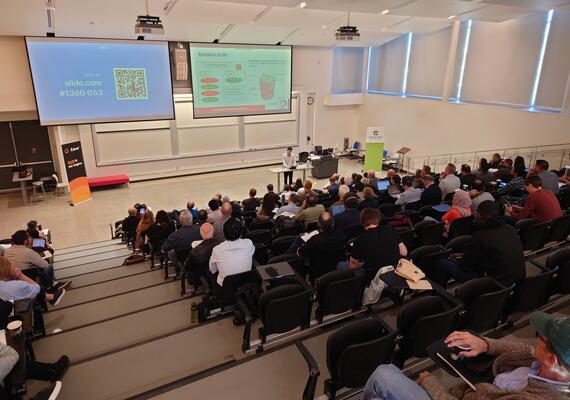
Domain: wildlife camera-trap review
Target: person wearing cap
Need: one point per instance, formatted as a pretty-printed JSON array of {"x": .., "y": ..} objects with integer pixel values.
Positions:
[{"x": 521, "y": 372}]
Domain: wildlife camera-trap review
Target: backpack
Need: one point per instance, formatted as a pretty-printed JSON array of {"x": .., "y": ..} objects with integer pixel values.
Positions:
[
  {"x": 249, "y": 293},
  {"x": 133, "y": 259}
]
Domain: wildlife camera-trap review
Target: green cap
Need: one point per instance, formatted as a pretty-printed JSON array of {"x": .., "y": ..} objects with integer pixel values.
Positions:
[{"x": 556, "y": 331}]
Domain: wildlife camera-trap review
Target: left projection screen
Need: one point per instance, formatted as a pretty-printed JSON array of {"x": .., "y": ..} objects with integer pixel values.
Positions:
[{"x": 81, "y": 81}]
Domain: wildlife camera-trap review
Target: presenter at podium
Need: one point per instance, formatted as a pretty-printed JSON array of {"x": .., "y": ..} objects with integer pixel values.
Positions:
[{"x": 288, "y": 162}]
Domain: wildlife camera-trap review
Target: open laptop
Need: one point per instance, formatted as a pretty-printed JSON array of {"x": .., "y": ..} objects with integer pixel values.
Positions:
[
  {"x": 383, "y": 185},
  {"x": 394, "y": 189},
  {"x": 337, "y": 208}
]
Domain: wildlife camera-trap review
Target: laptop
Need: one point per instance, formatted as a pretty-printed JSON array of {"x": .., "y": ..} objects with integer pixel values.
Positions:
[
  {"x": 39, "y": 243},
  {"x": 383, "y": 185},
  {"x": 337, "y": 208},
  {"x": 394, "y": 189},
  {"x": 443, "y": 208}
]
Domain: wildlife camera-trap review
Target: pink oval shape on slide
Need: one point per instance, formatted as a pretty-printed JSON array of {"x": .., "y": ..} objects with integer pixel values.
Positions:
[
  {"x": 208, "y": 80},
  {"x": 210, "y": 93}
]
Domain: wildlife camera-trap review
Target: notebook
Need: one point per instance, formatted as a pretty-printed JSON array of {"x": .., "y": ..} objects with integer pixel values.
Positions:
[
  {"x": 309, "y": 235},
  {"x": 443, "y": 208}
]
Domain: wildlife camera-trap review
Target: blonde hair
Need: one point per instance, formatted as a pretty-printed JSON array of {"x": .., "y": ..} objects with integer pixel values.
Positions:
[
  {"x": 148, "y": 218},
  {"x": 308, "y": 185},
  {"x": 7, "y": 270}
]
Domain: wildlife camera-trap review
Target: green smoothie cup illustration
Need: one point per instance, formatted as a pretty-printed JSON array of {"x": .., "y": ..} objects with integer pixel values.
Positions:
[{"x": 267, "y": 86}]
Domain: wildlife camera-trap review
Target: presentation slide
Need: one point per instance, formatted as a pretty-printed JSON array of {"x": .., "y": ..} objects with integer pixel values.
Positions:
[
  {"x": 230, "y": 80},
  {"x": 80, "y": 81}
]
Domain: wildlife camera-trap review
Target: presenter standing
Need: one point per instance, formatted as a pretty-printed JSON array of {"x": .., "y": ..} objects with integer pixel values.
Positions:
[{"x": 288, "y": 162}]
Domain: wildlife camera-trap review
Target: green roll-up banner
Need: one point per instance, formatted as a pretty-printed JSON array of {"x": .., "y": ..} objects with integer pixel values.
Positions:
[{"x": 374, "y": 154}]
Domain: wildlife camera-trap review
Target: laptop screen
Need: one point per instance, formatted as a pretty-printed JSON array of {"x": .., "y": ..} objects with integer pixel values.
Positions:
[
  {"x": 337, "y": 208},
  {"x": 383, "y": 185}
]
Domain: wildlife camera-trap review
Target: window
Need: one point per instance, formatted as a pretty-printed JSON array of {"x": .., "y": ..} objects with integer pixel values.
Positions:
[
  {"x": 387, "y": 65},
  {"x": 347, "y": 71}
]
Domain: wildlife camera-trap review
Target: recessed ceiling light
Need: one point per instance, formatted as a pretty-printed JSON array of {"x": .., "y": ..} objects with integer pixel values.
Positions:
[
  {"x": 302, "y": 4},
  {"x": 451, "y": 17},
  {"x": 323, "y": 27},
  {"x": 385, "y": 12},
  {"x": 383, "y": 29}
]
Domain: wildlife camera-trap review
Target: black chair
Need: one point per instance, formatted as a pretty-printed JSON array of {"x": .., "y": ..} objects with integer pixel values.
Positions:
[
  {"x": 281, "y": 244},
  {"x": 532, "y": 233},
  {"x": 337, "y": 292},
  {"x": 415, "y": 206},
  {"x": 283, "y": 309},
  {"x": 414, "y": 216},
  {"x": 559, "y": 229},
  {"x": 421, "y": 322},
  {"x": 408, "y": 237},
  {"x": 355, "y": 350},
  {"x": 429, "y": 211},
  {"x": 313, "y": 226},
  {"x": 303, "y": 156},
  {"x": 262, "y": 236},
  {"x": 224, "y": 297},
  {"x": 459, "y": 246},
  {"x": 426, "y": 258},
  {"x": 388, "y": 209},
  {"x": 290, "y": 230},
  {"x": 255, "y": 225},
  {"x": 533, "y": 292},
  {"x": 485, "y": 300},
  {"x": 429, "y": 232},
  {"x": 260, "y": 255},
  {"x": 353, "y": 231},
  {"x": 462, "y": 226},
  {"x": 560, "y": 258}
]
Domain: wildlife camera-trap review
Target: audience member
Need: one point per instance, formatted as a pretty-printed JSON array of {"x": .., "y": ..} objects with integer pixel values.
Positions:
[
  {"x": 252, "y": 202},
  {"x": 495, "y": 161},
  {"x": 130, "y": 224},
  {"x": 395, "y": 184},
  {"x": 160, "y": 230},
  {"x": 200, "y": 254},
  {"x": 484, "y": 174},
  {"x": 268, "y": 204},
  {"x": 548, "y": 178},
  {"x": 351, "y": 214},
  {"x": 286, "y": 193},
  {"x": 298, "y": 185},
  {"x": 271, "y": 193},
  {"x": 520, "y": 166},
  {"x": 342, "y": 191},
  {"x": 35, "y": 233},
  {"x": 146, "y": 221},
  {"x": 505, "y": 171},
  {"x": 389, "y": 174},
  {"x": 190, "y": 206},
  {"x": 23, "y": 257},
  {"x": 520, "y": 371},
  {"x": 540, "y": 204},
  {"x": 215, "y": 213},
  {"x": 226, "y": 210},
  {"x": 326, "y": 249},
  {"x": 377, "y": 247},
  {"x": 232, "y": 256},
  {"x": 182, "y": 238},
  {"x": 310, "y": 210},
  {"x": 332, "y": 187},
  {"x": 426, "y": 170},
  {"x": 460, "y": 207},
  {"x": 448, "y": 182},
  {"x": 14, "y": 285},
  {"x": 292, "y": 206},
  {"x": 202, "y": 217},
  {"x": 305, "y": 190},
  {"x": 225, "y": 199},
  {"x": 368, "y": 200},
  {"x": 372, "y": 180},
  {"x": 478, "y": 195},
  {"x": 410, "y": 193},
  {"x": 495, "y": 251},
  {"x": 514, "y": 185},
  {"x": 466, "y": 177},
  {"x": 431, "y": 195}
]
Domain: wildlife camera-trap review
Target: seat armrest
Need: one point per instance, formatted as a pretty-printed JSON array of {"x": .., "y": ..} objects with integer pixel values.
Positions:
[
  {"x": 314, "y": 372},
  {"x": 245, "y": 311}
]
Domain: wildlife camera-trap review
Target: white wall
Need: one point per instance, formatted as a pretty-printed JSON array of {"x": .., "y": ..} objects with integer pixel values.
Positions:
[
  {"x": 16, "y": 92},
  {"x": 436, "y": 127}
]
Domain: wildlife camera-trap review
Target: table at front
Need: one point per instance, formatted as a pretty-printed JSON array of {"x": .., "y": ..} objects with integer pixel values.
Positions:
[
  {"x": 280, "y": 170},
  {"x": 23, "y": 182}
]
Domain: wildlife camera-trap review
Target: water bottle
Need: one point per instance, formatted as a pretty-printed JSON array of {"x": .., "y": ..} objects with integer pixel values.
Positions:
[{"x": 194, "y": 312}]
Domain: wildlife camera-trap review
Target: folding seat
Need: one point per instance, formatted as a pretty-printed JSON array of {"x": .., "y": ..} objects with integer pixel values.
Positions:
[
  {"x": 533, "y": 291},
  {"x": 281, "y": 244},
  {"x": 262, "y": 236},
  {"x": 485, "y": 301},
  {"x": 462, "y": 226},
  {"x": 388, "y": 209},
  {"x": 260, "y": 254},
  {"x": 559, "y": 229},
  {"x": 532, "y": 233},
  {"x": 415, "y": 206},
  {"x": 408, "y": 237},
  {"x": 290, "y": 230},
  {"x": 353, "y": 231},
  {"x": 260, "y": 225},
  {"x": 426, "y": 258},
  {"x": 560, "y": 258},
  {"x": 429, "y": 232},
  {"x": 337, "y": 292}
]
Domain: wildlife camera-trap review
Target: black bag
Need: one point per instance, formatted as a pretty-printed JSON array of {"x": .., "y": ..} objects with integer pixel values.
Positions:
[
  {"x": 249, "y": 293},
  {"x": 134, "y": 259}
]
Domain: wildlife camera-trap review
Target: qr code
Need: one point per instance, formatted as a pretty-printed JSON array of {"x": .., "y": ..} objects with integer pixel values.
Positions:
[{"x": 130, "y": 83}]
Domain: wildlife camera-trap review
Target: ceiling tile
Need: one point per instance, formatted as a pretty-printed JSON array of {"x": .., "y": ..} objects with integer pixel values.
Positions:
[
  {"x": 496, "y": 13},
  {"x": 374, "y": 22},
  {"x": 250, "y": 33},
  {"x": 530, "y": 4},
  {"x": 420, "y": 25},
  {"x": 436, "y": 8},
  {"x": 300, "y": 18}
]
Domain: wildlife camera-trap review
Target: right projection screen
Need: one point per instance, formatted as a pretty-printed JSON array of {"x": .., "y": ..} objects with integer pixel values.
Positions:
[{"x": 233, "y": 80}]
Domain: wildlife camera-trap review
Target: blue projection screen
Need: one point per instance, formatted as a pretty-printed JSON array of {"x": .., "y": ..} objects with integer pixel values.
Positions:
[{"x": 81, "y": 81}]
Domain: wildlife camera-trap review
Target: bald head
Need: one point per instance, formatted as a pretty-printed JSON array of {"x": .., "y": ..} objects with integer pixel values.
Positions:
[
  {"x": 371, "y": 174},
  {"x": 206, "y": 231},
  {"x": 226, "y": 209},
  {"x": 390, "y": 173},
  {"x": 326, "y": 221},
  {"x": 132, "y": 211}
]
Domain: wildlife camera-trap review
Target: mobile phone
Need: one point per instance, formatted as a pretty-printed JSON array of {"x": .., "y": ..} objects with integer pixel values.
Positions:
[{"x": 142, "y": 211}]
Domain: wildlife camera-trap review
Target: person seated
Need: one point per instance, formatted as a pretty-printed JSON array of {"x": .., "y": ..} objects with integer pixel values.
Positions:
[
  {"x": 389, "y": 174},
  {"x": 24, "y": 258},
  {"x": 351, "y": 214},
  {"x": 35, "y": 233},
  {"x": 520, "y": 371},
  {"x": 417, "y": 179},
  {"x": 372, "y": 180},
  {"x": 333, "y": 185},
  {"x": 297, "y": 185},
  {"x": 368, "y": 200},
  {"x": 548, "y": 178},
  {"x": 426, "y": 170},
  {"x": 202, "y": 217},
  {"x": 495, "y": 251},
  {"x": 342, "y": 191},
  {"x": 215, "y": 214},
  {"x": 146, "y": 221},
  {"x": 326, "y": 249},
  {"x": 305, "y": 190},
  {"x": 232, "y": 256},
  {"x": 410, "y": 193},
  {"x": 292, "y": 206},
  {"x": 466, "y": 177},
  {"x": 448, "y": 182},
  {"x": 395, "y": 184},
  {"x": 377, "y": 247},
  {"x": 310, "y": 210},
  {"x": 514, "y": 185},
  {"x": 460, "y": 207},
  {"x": 226, "y": 209},
  {"x": 160, "y": 230},
  {"x": 540, "y": 204},
  {"x": 130, "y": 224},
  {"x": 14, "y": 285},
  {"x": 202, "y": 250},
  {"x": 268, "y": 205},
  {"x": 484, "y": 174},
  {"x": 182, "y": 238},
  {"x": 252, "y": 202},
  {"x": 190, "y": 206},
  {"x": 225, "y": 199},
  {"x": 504, "y": 173},
  {"x": 478, "y": 195},
  {"x": 286, "y": 193},
  {"x": 495, "y": 161},
  {"x": 271, "y": 193},
  {"x": 431, "y": 195}
]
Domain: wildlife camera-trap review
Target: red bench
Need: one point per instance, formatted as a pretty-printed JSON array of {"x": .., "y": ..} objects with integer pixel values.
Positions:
[{"x": 109, "y": 180}]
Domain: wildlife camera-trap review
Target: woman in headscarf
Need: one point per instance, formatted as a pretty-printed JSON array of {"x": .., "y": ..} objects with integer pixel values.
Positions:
[{"x": 460, "y": 207}]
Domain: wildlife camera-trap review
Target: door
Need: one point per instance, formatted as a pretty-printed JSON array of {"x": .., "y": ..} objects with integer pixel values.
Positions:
[
  {"x": 33, "y": 147},
  {"x": 7, "y": 157}
]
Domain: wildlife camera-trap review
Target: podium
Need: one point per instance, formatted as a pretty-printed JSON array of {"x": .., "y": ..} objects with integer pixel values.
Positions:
[{"x": 401, "y": 155}]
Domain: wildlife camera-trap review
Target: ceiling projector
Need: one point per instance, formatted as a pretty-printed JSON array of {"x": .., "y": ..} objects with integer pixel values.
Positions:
[
  {"x": 347, "y": 32},
  {"x": 147, "y": 24}
]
